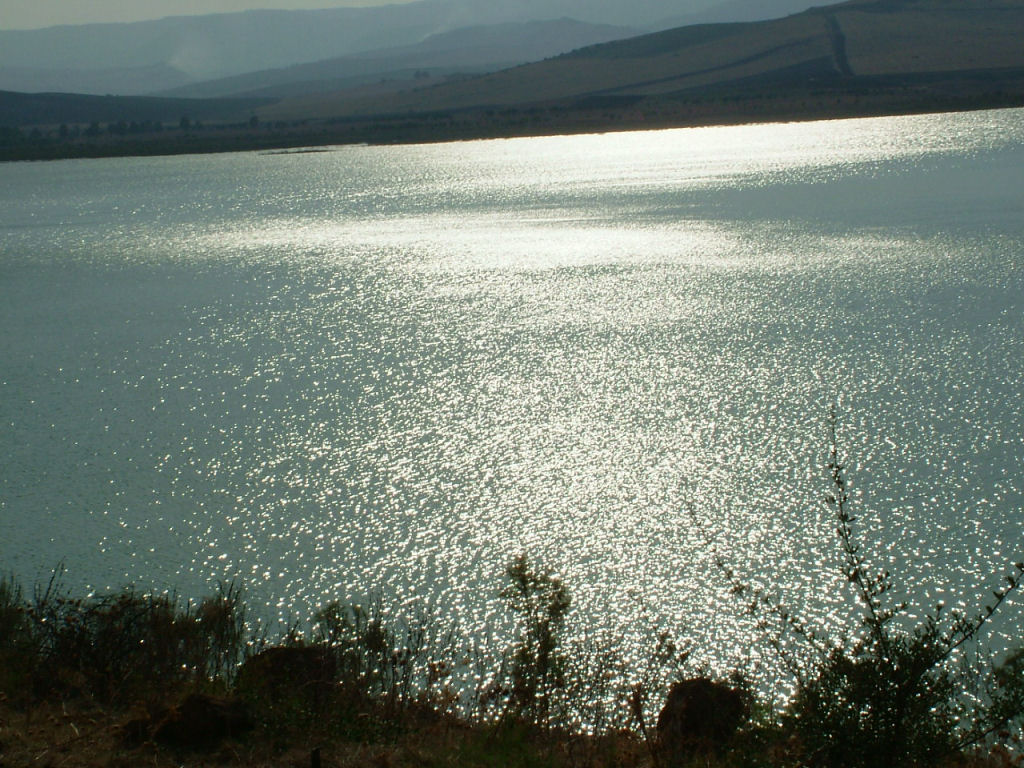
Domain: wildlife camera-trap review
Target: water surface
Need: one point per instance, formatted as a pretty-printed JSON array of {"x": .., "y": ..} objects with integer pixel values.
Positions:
[{"x": 395, "y": 367}]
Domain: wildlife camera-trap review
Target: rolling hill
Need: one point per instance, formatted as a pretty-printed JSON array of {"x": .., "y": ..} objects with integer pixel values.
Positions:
[
  {"x": 470, "y": 50},
  {"x": 149, "y": 56},
  {"x": 856, "y": 43}
]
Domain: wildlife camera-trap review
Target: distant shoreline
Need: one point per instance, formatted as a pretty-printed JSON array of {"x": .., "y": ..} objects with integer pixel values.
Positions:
[{"x": 510, "y": 122}]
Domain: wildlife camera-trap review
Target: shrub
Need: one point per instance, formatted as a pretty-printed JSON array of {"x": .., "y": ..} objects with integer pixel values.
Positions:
[
  {"x": 223, "y": 626},
  {"x": 289, "y": 686},
  {"x": 13, "y": 624},
  {"x": 115, "y": 645},
  {"x": 537, "y": 664},
  {"x": 385, "y": 660},
  {"x": 884, "y": 695},
  {"x": 120, "y": 645},
  {"x": 17, "y": 658}
]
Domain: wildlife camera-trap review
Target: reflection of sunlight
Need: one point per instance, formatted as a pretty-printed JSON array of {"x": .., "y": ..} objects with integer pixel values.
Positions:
[
  {"x": 713, "y": 155},
  {"x": 444, "y": 244},
  {"x": 448, "y": 243},
  {"x": 691, "y": 196},
  {"x": 503, "y": 243}
]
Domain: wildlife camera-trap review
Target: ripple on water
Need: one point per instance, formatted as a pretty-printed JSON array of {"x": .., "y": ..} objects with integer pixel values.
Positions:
[{"x": 394, "y": 368}]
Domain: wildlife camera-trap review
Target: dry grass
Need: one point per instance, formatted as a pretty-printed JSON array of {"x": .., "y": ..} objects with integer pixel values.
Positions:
[
  {"x": 79, "y": 735},
  {"x": 939, "y": 41}
]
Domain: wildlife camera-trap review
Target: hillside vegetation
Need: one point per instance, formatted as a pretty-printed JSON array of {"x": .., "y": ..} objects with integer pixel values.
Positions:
[{"x": 857, "y": 44}]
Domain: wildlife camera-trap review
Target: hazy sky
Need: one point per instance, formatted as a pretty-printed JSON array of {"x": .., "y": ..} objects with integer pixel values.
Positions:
[{"x": 30, "y": 14}]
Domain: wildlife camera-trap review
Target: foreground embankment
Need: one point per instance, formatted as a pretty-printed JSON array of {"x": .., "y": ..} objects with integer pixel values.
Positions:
[{"x": 133, "y": 678}]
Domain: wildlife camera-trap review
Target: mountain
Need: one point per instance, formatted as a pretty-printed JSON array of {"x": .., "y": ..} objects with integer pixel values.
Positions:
[
  {"x": 111, "y": 58},
  {"x": 204, "y": 47},
  {"x": 469, "y": 50},
  {"x": 860, "y": 42}
]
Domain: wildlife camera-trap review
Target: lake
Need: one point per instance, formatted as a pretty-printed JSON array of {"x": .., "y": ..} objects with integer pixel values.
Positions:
[{"x": 391, "y": 369}]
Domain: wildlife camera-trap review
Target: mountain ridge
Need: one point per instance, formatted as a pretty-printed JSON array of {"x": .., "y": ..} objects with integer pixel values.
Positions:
[
  {"x": 464, "y": 50},
  {"x": 228, "y": 44},
  {"x": 858, "y": 38}
]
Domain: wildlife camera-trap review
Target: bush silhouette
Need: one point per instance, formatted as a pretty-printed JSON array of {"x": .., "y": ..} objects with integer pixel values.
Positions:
[
  {"x": 882, "y": 695},
  {"x": 541, "y": 601}
]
